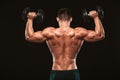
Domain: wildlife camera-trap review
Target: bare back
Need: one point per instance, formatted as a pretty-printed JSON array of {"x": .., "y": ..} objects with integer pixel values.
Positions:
[
  {"x": 64, "y": 46},
  {"x": 64, "y": 42}
]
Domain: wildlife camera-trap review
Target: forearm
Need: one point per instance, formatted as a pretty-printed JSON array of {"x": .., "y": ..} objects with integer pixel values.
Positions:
[
  {"x": 29, "y": 28},
  {"x": 99, "y": 27}
]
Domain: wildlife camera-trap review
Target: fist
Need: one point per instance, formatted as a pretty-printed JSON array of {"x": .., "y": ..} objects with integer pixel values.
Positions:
[
  {"x": 93, "y": 14},
  {"x": 31, "y": 15}
]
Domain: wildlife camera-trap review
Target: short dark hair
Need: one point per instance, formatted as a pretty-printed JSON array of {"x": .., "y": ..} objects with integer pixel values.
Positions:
[{"x": 64, "y": 14}]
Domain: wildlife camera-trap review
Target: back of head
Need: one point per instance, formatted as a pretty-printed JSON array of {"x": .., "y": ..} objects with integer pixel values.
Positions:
[{"x": 64, "y": 14}]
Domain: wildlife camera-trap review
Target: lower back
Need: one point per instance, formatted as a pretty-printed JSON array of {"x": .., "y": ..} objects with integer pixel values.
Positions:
[{"x": 64, "y": 64}]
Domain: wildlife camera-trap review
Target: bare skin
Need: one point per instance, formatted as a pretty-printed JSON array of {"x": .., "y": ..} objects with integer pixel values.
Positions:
[{"x": 64, "y": 42}]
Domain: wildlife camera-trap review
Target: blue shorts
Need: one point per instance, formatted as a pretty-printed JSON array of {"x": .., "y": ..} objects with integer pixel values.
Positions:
[{"x": 65, "y": 75}]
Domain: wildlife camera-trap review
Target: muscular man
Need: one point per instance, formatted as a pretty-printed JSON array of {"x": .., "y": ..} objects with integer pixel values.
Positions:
[{"x": 64, "y": 42}]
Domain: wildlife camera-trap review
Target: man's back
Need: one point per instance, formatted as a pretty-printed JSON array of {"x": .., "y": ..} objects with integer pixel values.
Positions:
[
  {"x": 64, "y": 45},
  {"x": 64, "y": 42}
]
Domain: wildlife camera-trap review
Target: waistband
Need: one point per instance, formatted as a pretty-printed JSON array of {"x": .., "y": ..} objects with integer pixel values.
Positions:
[{"x": 65, "y": 70}]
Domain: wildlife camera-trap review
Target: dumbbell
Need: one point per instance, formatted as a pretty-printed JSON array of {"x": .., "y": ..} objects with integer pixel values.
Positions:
[
  {"x": 86, "y": 16},
  {"x": 38, "y": 18}
]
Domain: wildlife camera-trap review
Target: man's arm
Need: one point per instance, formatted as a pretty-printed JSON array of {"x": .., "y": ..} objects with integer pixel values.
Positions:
[
  {"x": 92, "y": 35},
  {"x": 98, "y": 33},
  {"x": 30, "y": 35}
]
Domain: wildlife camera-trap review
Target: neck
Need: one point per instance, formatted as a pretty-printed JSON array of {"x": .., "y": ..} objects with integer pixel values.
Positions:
[{"x": 64, "y": 24}]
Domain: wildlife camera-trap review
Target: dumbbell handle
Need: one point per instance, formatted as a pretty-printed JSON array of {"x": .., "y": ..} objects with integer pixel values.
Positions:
[
  {"x": 37, "y": 16},
  {"x": 86, "y": 16},
  {"x": 31, "y": 15},
  {"x": 93, "y": 14}
]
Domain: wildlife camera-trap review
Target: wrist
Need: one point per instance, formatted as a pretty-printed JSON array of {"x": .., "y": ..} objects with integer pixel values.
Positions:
[
  {"x": 96, "y": 18},
  {"x": 30, "y": 19}
]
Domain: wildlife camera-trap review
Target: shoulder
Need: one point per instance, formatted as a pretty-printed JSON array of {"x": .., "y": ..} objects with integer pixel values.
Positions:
[
  {"x": 49, "y": 28},
  {"x": 81, "y": 32},
  {"x": 81, "y": 28},
  {"x": 48, "y": 31}
]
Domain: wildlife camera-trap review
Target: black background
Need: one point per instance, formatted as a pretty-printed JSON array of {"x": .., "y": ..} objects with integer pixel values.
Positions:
[{"x": 22, "y": 60}]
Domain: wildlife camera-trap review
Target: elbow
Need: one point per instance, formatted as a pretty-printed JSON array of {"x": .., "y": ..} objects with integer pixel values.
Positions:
[
  {"x": 101, "y": 37},
  {"x": 28, "y": 38}
]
